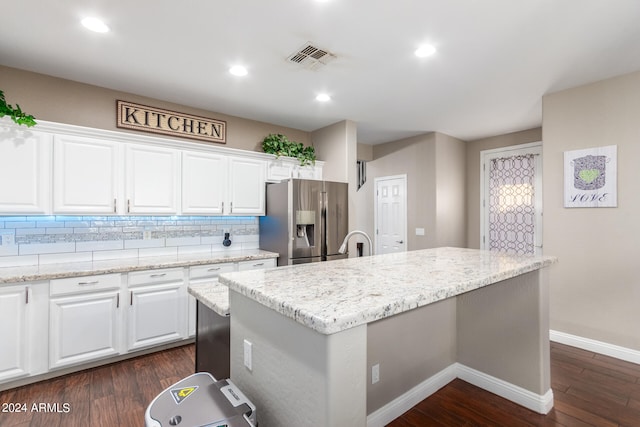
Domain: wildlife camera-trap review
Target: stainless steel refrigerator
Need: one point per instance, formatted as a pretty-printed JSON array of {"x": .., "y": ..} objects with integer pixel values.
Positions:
[{"x": 305, "y": 221}]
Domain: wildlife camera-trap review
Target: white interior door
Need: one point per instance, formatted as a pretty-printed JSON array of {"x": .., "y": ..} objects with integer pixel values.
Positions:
[
  {"x": 391, "y": 214},
  {"x": 511, "y": 210}
]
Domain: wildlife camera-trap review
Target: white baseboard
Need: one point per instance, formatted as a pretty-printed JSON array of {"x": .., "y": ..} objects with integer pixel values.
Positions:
[
  {"x": 411, "y": 398},
  {"x": 541, "y": 404},
  {"x": 600, "y": 347}
]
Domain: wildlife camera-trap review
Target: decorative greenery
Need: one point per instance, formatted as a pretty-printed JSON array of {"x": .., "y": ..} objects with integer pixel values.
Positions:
[
  {"x": 280, "y": 145},
  {"x": 16, "y": 114}
]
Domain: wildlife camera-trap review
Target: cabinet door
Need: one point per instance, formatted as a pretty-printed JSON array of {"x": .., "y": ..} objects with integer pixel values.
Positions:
[
  {"x": 152, "y": 179},
  {"x": 84, "y": 327},
  {"x": 86, "y": 175},
  {"x": 157, "y": 314},
  {"x": 14, "y": 319},
  {"x": 25, "y": 171},
  {"x": 204, "y": 183},
  {"x": 246, "y": 186}
]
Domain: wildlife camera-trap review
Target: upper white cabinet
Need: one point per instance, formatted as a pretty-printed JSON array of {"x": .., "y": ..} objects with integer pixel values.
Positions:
[
  {"x": 70, "y": 170},
  {"x": 86, "y": 174},
  {"x": 204, "y": 180},
  {"x": 246, "y": 186},
  {"x": 152, "y": 179},
  {"x": 25, "y": 171},
  {"x": 221, "y": 185}
]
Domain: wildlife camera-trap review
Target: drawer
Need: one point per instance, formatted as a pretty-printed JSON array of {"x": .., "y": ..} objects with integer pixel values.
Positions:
[
  {"x": 256, "y": 264},
  {"x": 83, "y": 284},
  {"x": 210, "y": 270},
  {"x": 148, "y": 277}
]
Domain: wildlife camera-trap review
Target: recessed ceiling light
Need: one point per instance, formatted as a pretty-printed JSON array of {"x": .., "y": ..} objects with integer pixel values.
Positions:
[
  {"x": 95, "y": 25},
  {"x": 323, "y": 97},
  {"x": 425, "y": 50},
  {"x": 238, "y": 70}
]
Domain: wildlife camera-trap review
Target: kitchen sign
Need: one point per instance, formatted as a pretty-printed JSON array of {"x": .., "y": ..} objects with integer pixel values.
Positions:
[
  {"x": 590, "y": 178},
  {"x": 166, "y": 122}
]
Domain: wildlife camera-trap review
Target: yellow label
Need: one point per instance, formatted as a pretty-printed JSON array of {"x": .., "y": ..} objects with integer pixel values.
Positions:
[{"x": 180, "y": 394}]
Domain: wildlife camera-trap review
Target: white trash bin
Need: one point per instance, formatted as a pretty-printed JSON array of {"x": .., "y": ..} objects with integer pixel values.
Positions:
[{"x": 201, "y": 400}]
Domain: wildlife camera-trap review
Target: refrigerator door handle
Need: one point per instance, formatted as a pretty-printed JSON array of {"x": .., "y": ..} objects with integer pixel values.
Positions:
[{"x": 323, "y": 224}]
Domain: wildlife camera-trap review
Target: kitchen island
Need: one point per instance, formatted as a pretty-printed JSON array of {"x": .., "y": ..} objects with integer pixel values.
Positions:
[{"x": 307, "y": 340}]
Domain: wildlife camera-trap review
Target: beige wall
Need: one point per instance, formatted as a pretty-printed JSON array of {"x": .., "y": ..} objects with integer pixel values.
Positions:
[
  {"x": 414, "y": 157},
  {"x": 434, "y": 164},
  {"x": 450, "y": 191},
  {"x": 595, "y": 288},
  {"x": 65, "y": 101},
  {"x": 409, "y": 358},
  {"x": 473, "y": 174}
]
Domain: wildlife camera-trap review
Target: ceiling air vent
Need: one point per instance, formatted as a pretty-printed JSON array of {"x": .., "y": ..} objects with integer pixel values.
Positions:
[{"x": 311, "y": 57}]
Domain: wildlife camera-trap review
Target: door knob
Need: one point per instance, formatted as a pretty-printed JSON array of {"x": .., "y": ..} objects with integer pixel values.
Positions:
[{"x": 400, "y": 241}]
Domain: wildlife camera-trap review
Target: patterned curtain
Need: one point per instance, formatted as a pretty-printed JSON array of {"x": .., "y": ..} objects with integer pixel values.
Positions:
[{"x": 512, "y": 204}]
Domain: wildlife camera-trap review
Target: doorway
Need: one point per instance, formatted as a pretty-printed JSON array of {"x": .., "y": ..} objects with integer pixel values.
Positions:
[
  {"x": 511, "y": 199},
  {"x": 390, "y": 214}
]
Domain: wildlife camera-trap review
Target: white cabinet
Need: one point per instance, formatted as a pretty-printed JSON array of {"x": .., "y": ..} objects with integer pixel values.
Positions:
[
  {"x": 282, "y": 168},
  {"x": 219, "y": 185},
  {"x": 246, "y": 186},
  {"x": 152, "y": 179},
  {"x": 204, "y": 183},
  {"x": 157, "y": 308},
  {"x": 258, "y": 264},
  {"x": 203, "y": 274},
  {"x": 24, "y": 320},
  {"x": 25, "y": 170},
  {"x": 86, "y": 175},
  {"x": 85, "y": 319}
]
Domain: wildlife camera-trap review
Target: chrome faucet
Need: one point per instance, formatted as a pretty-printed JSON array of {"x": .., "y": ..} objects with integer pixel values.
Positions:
[{"x": 343, "y": 247}]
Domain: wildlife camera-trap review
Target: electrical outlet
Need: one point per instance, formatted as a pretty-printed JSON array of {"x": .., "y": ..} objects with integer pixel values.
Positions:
[
  {"x": 248, "y": 358},
  {"x": 146, "y": 235},
  {"x": 375, "y": 373},
  {"x": 8, "y": 239}
]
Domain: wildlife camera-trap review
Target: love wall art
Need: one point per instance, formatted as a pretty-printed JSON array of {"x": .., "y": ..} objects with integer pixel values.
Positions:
[{"x": 590, "y": 178}]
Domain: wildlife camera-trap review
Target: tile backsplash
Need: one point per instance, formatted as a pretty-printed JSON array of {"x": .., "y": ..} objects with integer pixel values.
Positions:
[{"x": 33, "y": 240}]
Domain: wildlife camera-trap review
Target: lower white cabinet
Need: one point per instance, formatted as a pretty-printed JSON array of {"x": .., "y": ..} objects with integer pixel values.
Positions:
[
  {"x": 85, "y": 319},
  {"x": 23, "y": 318},
  {"x": 157, "y": 308},
  {"x": 257, "y": 264}
]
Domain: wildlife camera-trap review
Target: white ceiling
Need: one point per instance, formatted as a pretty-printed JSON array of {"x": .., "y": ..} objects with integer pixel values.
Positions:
[{"x": 495, "y": 58}]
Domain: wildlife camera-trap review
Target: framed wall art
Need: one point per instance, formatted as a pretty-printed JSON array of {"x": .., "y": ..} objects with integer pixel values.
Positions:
[{"x": 590, "y": 178}]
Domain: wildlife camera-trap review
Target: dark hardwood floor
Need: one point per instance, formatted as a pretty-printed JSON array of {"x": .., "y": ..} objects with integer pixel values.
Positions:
[{"x": 589, "y": 390}]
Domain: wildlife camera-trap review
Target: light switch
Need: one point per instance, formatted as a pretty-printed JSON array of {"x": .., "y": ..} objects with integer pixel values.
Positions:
[{"x": 419, "y": 231}]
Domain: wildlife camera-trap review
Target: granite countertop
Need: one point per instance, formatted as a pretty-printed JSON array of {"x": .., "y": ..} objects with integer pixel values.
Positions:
[
  {"x": 75, "y": 269},
  {"x": 213, "y": 294},
  {"x": 329, "y": 297}
]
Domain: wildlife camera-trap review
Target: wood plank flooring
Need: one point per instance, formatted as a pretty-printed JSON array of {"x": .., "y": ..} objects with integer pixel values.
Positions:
[
  {"x": 589, "y": 390},
  {"x": 113, "y": 395}
]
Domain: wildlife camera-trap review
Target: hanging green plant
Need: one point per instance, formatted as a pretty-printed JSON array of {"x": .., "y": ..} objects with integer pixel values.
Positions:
[
  {"x": 279, "y": 145},
  {"x": 16, "y": 114}
]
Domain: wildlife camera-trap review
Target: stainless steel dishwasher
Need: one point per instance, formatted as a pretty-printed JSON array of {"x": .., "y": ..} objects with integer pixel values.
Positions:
[{"x": 212, "y": 342}]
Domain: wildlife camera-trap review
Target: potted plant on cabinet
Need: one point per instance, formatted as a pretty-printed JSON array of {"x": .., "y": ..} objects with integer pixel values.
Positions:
[
  {"x": 16, "y": 114},
  {"x": 279, "y": 145}
]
